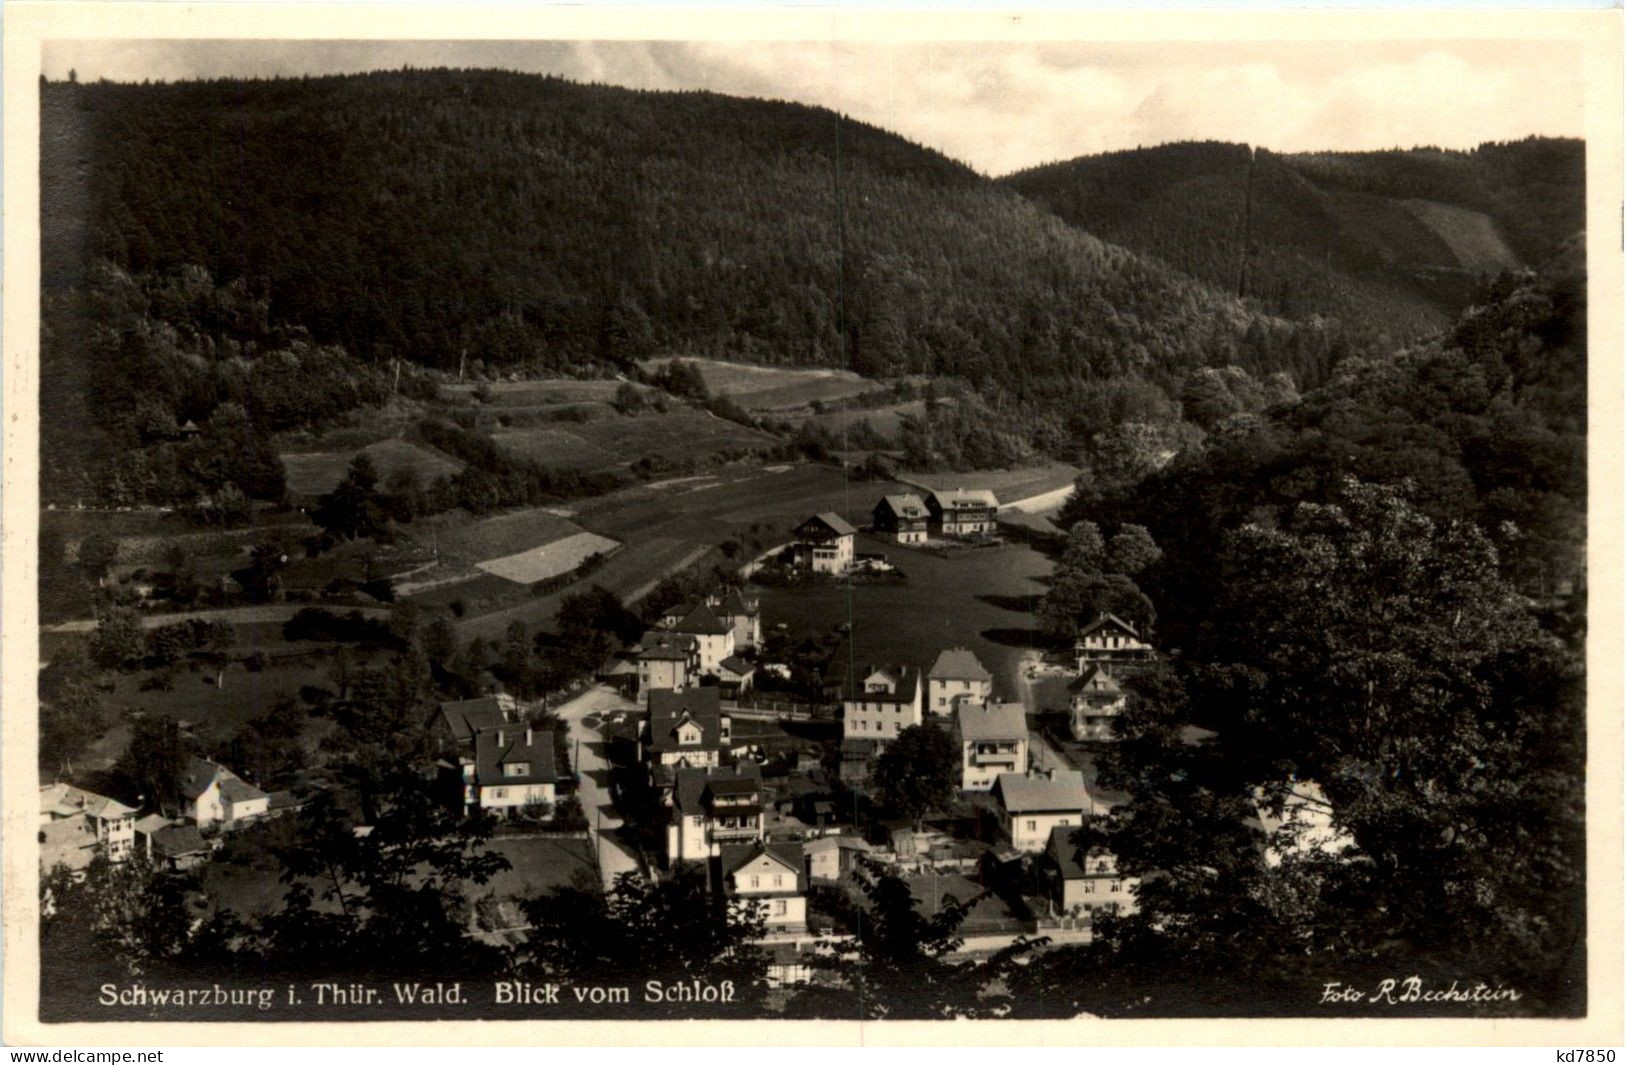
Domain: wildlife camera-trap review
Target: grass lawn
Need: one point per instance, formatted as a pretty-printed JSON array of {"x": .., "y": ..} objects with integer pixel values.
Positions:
[
  {"x": 884, "y": 420},
  {"x": 1008, "y": 485},
  {"x": 216, "y": 713},
  {"x": 677, "y": 434},
  {"x": 536, "y": 393},
  {"x": 315, "y": 473}
]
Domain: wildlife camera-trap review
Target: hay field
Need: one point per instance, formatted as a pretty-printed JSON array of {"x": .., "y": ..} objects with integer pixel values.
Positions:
[
  {"x": 315, "y": 473},
  {"x": 549, "y": 560}
]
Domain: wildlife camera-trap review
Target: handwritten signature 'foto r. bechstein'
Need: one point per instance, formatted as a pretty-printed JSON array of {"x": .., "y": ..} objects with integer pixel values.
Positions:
[{"x": 1414, "y": 990}]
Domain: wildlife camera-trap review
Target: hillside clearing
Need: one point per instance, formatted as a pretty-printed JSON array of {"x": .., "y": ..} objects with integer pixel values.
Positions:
[
  {"x": 315, "y": 473},
  {"x": 549, "y": 560},
  {"x": 772, "y": 387}
]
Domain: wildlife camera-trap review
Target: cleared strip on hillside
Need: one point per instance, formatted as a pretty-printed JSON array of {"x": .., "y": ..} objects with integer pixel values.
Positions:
[{"x": 549, "y": 560}]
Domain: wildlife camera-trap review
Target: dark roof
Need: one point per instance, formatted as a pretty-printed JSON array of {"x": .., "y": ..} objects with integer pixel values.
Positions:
[
  {"x": 176, "y": 841},
  {"x": 959, "y": 663},
  {"x": 659, "y": 644},
  {"x": 494, "y": 748},
  {"x": 1108, "y": 619},
  {"x": 467, "y": 716},
  {"x": 827, "y": 523},
  {"x": 703, "y": 706},
  {"x": 1095, "y": 679},
  {"x": 858, "y": 748},
  {"x": 905, "y": 681},
  {"x": 702, "y": 621},
  {"x": 694, "y": 784},
  {"x": 234, "y": 789},
  {"x": 735, "y": 604},
  {"x": 197, "y": 777},
  {"x": 735, "y": 664},
  {"x": 1069, "y": 857},
  {"x": 736, "y": 855}
]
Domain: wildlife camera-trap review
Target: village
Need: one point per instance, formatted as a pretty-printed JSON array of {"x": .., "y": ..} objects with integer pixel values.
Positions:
[{"x": 684, "y": 752}]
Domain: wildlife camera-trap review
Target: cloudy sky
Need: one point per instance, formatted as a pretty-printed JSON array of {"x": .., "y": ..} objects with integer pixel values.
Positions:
[{"x": 1000, "y": 107}]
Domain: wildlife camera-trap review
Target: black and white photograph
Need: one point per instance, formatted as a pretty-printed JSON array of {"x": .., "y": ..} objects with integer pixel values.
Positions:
[{"x": 1045, "y": 527}]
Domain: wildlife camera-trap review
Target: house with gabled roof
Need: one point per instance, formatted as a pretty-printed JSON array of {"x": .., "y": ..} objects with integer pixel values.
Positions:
[
  {"x": 878, "y": 702},
  {"x": 992, "y": 739},
  {"x": 957, "y": 672},
  {"x": 457, "y": 722},
  {"x": 211, "y": 794},
  {"x": 824, "y": 543},
  {"x": 902, "y": 517},
  {"x": 829, "y": 858},
  {"x": 172, "y": 844},
  {"x": 735, "y": 676},
  {"x": 1096, "y": 701},
  {"x": 743, "y": 614},
  {"x": 712, "y": 807},
  {"x": 667, "y": 661},
  {"x": 1084, "y": 881},
  {"x": 771, "y": 876},
  {"x": 1294, "y": 817},
  {"x": 713, "y": 637},
  {"x": 75, "y": 824},
  {"x": 1111, "y": 641},
  {"x": 1034, "y": 803},
  {"x": 685, "y": 728},
  {"x": 513, "y": 767},
  {"x": 963, "y": 511}
]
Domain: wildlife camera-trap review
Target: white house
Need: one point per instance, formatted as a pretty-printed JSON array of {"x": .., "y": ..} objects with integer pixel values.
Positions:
[
  {"x": 1096, "y": 702},
  {"x": 1086, "y": 882},
  {"x": 1033, "y": 804},
  {"x": 957, "y": 672},
  {"x": 685, "y": 728},
  {"x": 1109, "y": 640},
  {"x": 1295, "y": 818},
  {"x": 667, "y": 661},
  {"x": 771, "y": 875},
  {"x": 211, "y": 794},
  {"x": 75, "y": 824},
  {"x": 992, "y": 740},
  {"x": 513, "y": 767},
  {"x": 831, "y": 857},
  {"x": 713, "y": 637},
  {"x": 882, "y": 702},
  {"x": 744, "y": 615},
  {"x": 902, "y": 517},
  {"x": 712, "y": 808},
  {"x": 824, "y": 543},
  {"x": 963, "y": 511}
]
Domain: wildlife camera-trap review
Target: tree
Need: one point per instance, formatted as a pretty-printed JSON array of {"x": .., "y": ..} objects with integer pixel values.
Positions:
[
  {"x": 396, "y": 897},
  {"x": 673, "y": 930},
  {"x": 1077, "y": 598},
  {"x": 151, "y": 765},
  {"x": 269, "y": 747},
  {"x": 1085, "y": 550},
  {"x": 71, "y": 714},
  {"x": 353, "y": 510},
  {"x": 118, "y": 641},
  {"x": 1131, "y": 550},
  {"x": 900, "y": 965},
  {"x": 97, "y": 555},
  {"x": 918, "y": 771}
]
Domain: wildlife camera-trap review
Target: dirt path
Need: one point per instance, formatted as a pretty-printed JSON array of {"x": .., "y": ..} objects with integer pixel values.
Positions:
[
  {"x": 237, "y": 615},
  {"x": 587, "y": 746}
]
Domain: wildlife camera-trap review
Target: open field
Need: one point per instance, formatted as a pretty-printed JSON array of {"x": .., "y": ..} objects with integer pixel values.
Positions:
[
  {"x": 549, "y": 560},
  {"x": 618, "y": 440},
  {"x": 556, "y": 448},
  {"x": 1011, "y": 486},
  {"x": 459, "y": 540},
  {"x": 982, "y": 599},
  {"x": 1472, "y": 236},
  {"x": 759, "y": 388},
  {"x": 535, "y": 393},
  {"x": 316, "y": 473},
  {"x": 884, "y": 420}
]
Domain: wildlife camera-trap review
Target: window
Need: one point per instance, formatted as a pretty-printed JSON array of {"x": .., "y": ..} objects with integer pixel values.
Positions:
[
  {"x": 1088, "y": 887},
  {"x": 755, "y": 881},
  {"x": 499, "y": 793},
  {"x": 778, "y": 881},
  {"x": 781, "y": 907},
  {"x": 516, "y": 769},
  {"x": 1032, "y": 826}
]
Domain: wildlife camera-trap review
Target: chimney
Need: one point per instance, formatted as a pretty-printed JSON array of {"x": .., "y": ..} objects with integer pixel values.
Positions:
[
  {"x": 499, "y": 738},
  {"x": 527, "y": 735}
]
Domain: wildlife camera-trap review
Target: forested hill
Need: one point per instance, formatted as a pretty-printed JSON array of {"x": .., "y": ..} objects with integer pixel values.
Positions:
[
  {"x": 1397, "y": 238},
  {"x": 531, "y": 221}
]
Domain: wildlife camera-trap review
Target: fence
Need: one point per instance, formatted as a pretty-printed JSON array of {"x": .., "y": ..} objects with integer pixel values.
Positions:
[{"x": 781, "y": 710}]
